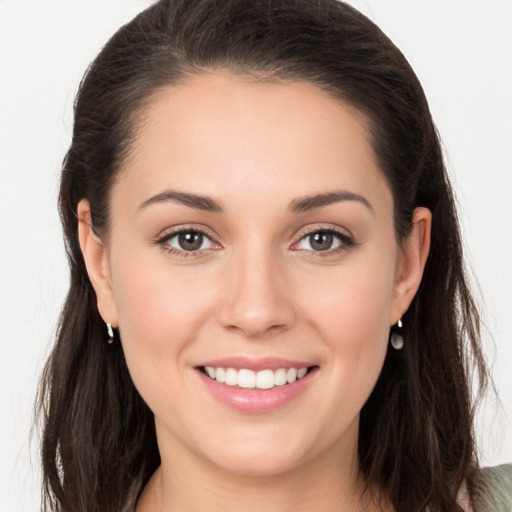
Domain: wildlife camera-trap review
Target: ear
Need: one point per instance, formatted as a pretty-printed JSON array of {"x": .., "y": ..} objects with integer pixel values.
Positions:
[
  {"x": 97, "y": 264},
  {"x": 412, "y": 258}
]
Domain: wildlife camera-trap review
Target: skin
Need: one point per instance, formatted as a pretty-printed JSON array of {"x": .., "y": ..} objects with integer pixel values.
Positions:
[{"x": 258, "y": 288}]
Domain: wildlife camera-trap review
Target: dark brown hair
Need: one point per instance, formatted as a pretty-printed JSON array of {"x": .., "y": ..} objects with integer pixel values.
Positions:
[{"x": 416, "y": 435}]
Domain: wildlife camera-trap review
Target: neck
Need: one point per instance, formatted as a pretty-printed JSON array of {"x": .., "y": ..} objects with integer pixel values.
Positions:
[{"x": 327, "y": 483}]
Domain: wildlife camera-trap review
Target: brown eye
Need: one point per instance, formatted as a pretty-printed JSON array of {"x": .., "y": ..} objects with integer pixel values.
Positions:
[
  {"x": 324, "y": 240},
  {"x": 190, "y": 240},
  {"x": 321, "y": 241}
]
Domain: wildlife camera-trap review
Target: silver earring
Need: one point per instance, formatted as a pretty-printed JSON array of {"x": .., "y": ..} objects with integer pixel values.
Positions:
[
  {"x": 397, "y": 340},
  {"x": 110, "y": 333}
]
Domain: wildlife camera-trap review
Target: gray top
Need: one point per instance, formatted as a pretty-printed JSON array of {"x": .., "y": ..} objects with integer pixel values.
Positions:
[{"x": 497, "y": 484}]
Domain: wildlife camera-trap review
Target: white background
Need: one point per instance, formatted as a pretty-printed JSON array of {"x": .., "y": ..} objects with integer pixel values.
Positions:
[{"x": 462, "y": 52}]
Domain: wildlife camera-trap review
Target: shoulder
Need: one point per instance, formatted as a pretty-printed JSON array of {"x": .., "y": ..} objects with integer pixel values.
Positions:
[{"x": 495, "y": 485}]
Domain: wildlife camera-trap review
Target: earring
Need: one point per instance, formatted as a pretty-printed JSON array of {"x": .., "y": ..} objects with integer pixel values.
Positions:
[
  {"x": 110, "y": 333},
  {"x": 397, "y": 340}
]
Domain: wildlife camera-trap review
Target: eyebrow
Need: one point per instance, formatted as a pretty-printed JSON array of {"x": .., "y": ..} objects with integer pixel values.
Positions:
[
  {"x": 299, "y": 205},
  {"x": 199, "y": 202},
  {"x": 306, "y": 203}
]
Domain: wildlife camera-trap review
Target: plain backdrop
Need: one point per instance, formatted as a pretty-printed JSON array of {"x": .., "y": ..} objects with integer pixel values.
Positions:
[{"x": 462, "y": 53}]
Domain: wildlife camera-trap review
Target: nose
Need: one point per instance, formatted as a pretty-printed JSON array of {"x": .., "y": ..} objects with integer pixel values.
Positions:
[{"x": 258, "y": 300}]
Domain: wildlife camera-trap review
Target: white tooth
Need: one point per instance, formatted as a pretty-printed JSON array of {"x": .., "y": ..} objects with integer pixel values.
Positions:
[
  {"x": 246, "y": 378},
  {"x": 231, "y": 377},
  {"x": 301, "y": 373},
  {"x": 265, "y": 379},
  {"x": 291, "y": 375},
  {"x": 220, "y": 375},
  {"x": 210, "y": 371},
  {"x": 280, "y": 377}
]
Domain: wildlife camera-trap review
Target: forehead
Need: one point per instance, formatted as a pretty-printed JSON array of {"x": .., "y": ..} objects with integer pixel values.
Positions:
[{"x": 224, "y": 135}]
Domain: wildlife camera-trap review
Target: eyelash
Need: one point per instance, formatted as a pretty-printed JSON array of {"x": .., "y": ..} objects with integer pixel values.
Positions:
[
  {"x": 163, "y": 240},
  {"x": 346, "y": 241}
]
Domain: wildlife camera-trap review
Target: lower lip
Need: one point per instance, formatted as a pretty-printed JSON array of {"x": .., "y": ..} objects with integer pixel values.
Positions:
[{"x": 257, "y": 400}]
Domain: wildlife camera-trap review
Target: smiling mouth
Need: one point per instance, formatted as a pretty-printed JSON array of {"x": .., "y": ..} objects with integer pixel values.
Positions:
[{"x": 249, "y": 379}]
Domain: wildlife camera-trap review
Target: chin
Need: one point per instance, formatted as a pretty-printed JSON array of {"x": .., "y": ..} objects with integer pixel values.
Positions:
[
  {"x": 261, "y": 456},
  {"x": 260, "y": 465}
]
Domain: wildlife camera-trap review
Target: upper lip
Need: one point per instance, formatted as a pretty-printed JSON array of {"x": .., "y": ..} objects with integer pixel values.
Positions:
[{"x": 255, "y": 364}]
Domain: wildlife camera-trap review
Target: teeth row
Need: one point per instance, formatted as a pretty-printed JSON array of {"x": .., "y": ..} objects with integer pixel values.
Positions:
[{"x": 264, "y": 379}]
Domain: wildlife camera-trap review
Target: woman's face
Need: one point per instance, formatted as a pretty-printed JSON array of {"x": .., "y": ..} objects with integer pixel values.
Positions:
[{"x": 252, "y": 239}]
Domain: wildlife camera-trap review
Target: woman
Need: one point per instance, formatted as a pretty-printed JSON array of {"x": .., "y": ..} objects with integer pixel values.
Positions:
[{"x": 268, "y": 306}]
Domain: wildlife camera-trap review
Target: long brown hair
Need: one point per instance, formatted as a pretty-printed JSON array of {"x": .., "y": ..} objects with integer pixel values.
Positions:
[{"x": 416, "y": 435}]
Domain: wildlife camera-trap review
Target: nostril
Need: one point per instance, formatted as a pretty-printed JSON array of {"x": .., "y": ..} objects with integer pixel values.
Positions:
[
  {"x": 256, "y": 308},
  {"x": 256, "y": 328}
]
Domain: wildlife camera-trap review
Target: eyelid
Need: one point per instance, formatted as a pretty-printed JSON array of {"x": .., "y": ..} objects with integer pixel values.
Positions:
[
  {"x": 169, "y": 233},
  {"x": 346, "y": 238},
  {"x": 332, "y": 228}
]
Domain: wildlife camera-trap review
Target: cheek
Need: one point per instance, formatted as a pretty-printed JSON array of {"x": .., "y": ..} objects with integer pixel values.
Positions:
[
  {"x": 159, "y": 317},
  {"x": 350, "y": 310},
  {"x": 159, "y": 314},
  {"x": 152, "y": 297},
  {"x": 351, "y": 306}
]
